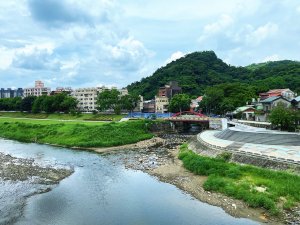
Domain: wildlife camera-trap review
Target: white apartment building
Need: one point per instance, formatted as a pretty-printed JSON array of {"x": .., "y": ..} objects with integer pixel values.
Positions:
[
  {"x": 123, "y": 91},
  {"x": 87, "y": 97},
  {"x": 38, "y": 90},
  {"x": 161, "y": 104}
]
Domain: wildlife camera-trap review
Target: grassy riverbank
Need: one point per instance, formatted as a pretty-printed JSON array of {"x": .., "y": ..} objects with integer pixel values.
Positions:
[
  {"x": 272, "y": 190},
  {"x": 75, "y": 134},
  {"x": 61, "y": 116}
]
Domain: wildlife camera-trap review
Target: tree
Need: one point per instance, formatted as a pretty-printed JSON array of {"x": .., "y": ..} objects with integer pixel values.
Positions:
[
  {"x": 179, "y": 103},
  {"x": 129, "y": 102},
  {"x": 283, "y": 117},
  {"x": 27, "y": 103},
  {"x": 212, "y": 100},
  {"x": 38, "y": 104},
  {"x": 109, "y": 99},
  {"x": 223, "y": 98},
  {"x": 48, "y": 104},
  {"x": 69, "y": 103},
  {"x": 58, "y": 99},
  {"x": 198, "y": 71}
]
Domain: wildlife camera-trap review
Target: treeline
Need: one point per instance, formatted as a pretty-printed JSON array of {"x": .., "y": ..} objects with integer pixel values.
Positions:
[
  {"x": 223, "y": 98},
  {"x": 113, "y": 100},
  {"x": 199, "y": 70},
  {"x": 49, "y": 104}
]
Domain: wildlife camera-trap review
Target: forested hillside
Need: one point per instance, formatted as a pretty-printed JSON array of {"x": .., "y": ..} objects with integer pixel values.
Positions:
[{"x": 199, "y": 70}]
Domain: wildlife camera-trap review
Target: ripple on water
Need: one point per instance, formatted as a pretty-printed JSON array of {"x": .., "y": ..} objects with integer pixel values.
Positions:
[{"x": 102, "y": 192}]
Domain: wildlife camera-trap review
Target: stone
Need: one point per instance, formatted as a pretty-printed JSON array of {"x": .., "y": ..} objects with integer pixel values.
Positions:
[{"x": 234, "y": 206}]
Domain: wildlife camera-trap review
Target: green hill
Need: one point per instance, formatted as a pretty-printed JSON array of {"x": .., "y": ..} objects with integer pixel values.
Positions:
[{"x": 199, "y": 70}]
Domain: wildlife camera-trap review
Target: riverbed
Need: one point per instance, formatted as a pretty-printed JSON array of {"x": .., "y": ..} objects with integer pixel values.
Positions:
[{"x": 101, "y": 190}]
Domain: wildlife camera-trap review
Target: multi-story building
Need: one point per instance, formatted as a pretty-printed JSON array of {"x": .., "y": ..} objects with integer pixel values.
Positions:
[
  {"x": 164, "y": 96},
  {"x": 169, "y": 90},
  {"x": 87, "y": 97},
  {"x": 161, "y": 104},
  {"x": 140, "y": 104},
  {"x": 123, "y": 91},
  {"x": 59, "y": 90},
  {"x": 11, "y": 93},
  {"x": 149, "y": 106},
  {"x": 38, "y": 90}
]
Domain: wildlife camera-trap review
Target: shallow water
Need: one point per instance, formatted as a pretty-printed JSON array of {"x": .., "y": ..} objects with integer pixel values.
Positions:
[{"x": 101, "y": 191}]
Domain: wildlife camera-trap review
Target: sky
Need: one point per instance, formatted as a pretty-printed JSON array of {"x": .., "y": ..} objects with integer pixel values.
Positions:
[{"x": 87, "y": 43}]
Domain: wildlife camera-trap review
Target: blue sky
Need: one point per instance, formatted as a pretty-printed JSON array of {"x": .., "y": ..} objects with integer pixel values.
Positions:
[{"x": 82, "y": 43}]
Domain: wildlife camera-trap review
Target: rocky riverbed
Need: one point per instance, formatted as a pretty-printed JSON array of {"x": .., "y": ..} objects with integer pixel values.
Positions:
[
  {"x": 17, "y": 169},
  {"x": 21, "y": 178},
  {"x": 157, "y": 157},
  {"x": 162, "y": 162}
]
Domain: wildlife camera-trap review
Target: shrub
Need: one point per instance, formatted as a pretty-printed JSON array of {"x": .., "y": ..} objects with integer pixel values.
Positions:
[
  {"x": 238, "y": 181},
  {"x": 226, "y": 156}
]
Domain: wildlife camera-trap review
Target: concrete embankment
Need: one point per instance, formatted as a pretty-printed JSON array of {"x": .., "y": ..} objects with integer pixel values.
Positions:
[
  {"x": 163, "y": 163},
  {"x": 242, "y": 157}
]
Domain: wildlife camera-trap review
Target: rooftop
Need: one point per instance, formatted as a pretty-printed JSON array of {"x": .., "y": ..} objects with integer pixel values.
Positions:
[
  {"x": 278, "y": 90},
  {"x": 297, "y": 99},
  {"x": 270, "y": 99},
  {"x": 242, "y": 109}
]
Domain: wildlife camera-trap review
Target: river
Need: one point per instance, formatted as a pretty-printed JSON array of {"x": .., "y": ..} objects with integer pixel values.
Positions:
[{"x": 100, "y": 191}]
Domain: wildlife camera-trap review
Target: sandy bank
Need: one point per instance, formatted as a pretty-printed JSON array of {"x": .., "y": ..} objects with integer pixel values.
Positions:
[{"x": 150, "y": 143}]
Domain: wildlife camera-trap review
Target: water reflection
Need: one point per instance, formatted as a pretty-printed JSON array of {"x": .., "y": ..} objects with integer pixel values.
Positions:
[{"x": 102, "y": 192}]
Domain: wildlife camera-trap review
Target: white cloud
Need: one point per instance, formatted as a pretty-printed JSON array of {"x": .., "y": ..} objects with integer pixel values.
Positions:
[
  {"x": 171, "y": 10},
  {"x": 175, "y": 56},
  {"x": 36, "y": 59},
  {"x": 128, "y": 53},
  {"x": 6, "y": 56},
  {"x": 219, "y": 26},
  {"x": 270, "y": 58},
  {"x": 88, "y": 42},
  {"x": 262, "y": 33}
]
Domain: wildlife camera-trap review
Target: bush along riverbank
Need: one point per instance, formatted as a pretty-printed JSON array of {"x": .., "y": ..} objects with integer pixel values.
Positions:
[
  {"x": 275, "y": 191},
  {"x": 77, "y": 135}
]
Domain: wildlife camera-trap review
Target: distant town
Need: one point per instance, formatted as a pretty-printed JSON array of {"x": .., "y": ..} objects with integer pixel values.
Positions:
[{"x": 257, "y": 110}]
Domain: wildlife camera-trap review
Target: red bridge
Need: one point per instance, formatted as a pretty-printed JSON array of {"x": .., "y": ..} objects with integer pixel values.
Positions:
[{"x": 188, "y": 117}]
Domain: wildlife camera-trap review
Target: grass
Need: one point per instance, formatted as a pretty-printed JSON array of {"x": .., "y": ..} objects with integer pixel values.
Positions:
[
  {"x": 75, "y": 134},
  {"x": 61, "y": 116},
  {"x": 281, "y": 189},
  {"x": 48, "y": 121}
]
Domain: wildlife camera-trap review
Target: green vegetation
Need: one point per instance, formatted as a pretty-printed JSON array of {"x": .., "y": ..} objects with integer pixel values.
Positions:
[
  {"x": 285, "y": 118},
  {"x": 199, "y": 70},
  {"x": 258, "y": 187},
  {"x": 75, "y": 134},
  {"x": 223, "y": 98},
  {"x": 112, "y": 99},
  {"x": 179, "y": 103},
  {"x": 49, "y": 104},
  {"x": 62, "y": 116}
]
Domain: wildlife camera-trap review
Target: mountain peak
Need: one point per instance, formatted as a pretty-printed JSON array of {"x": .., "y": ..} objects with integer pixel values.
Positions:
[{"x": 198, "y": 70}]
